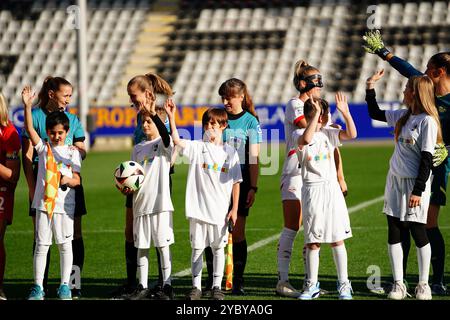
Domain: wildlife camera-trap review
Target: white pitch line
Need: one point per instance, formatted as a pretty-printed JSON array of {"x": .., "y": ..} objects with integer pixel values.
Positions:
[{"x": 263, "y": 242}]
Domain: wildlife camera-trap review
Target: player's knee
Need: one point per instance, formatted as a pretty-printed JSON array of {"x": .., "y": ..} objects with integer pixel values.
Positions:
[{"x": 313, "y": 246}]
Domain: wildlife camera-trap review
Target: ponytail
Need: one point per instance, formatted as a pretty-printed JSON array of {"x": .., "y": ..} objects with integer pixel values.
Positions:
[
  {"x": 152, "y": 82},
  {"x": 301, "y": 70},
  {"x": 53, "y": 84}
]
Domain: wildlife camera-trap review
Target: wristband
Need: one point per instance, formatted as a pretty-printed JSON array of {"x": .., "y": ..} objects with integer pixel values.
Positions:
[
  {"x": 383, "y": 53},
  {"x": 254, "y": 189}
]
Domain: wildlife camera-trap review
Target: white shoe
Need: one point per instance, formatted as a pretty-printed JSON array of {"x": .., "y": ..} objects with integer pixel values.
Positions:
[
  {"x": 345, "y": 290},
  {"x": 398, "y": 291},
  {"x": 285, "y": 289},
  {"x": 310, "y": 291},
  {"x": 423, "y": 291}
]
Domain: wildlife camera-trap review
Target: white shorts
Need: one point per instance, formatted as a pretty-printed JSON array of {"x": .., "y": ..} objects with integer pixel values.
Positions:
[
  {"x": 60, "y": 226},
  {"x": 325, "y": 214},
  {"x": 396, "y": 199},
  {"x": 156, "y": 227},
  {"x": 291, "y": 187},
  {"x": 204, "y": 235}
]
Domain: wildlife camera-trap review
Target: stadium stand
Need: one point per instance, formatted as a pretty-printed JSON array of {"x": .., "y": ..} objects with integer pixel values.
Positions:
[{"x": 197, "y": 44}]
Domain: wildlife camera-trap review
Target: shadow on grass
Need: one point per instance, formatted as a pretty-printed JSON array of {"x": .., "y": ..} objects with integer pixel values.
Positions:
[{"x": 259, "y": 286}]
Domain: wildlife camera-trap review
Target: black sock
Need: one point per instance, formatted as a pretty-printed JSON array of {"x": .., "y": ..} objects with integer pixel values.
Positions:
[
  {"x": 131, "y": 262},
  {"x": 406, "y": 246},
  {"x": 160, "y": 277},
  {"x": 45, "y": 281},
  {"x": 78, "y": 252},
  {"x": 239, "y": 261},
  {"x": 437, "y": 254},
  {"x": 209, "y": 257}
]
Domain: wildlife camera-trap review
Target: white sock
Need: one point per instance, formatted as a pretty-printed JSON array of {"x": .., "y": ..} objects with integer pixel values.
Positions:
[
  {"x": 142, "y": 267},
  {"x": 340, "y": 260},
  {"x": 396, "y": 258},
  {"x": 284, "y": 252},
  {"x": 66, "y": 260},
  {"x": 196, "y": 267},
  {"x": 312, "y": 257},
  {"x": 39, "y": 262},
  {"x": 166, "y": 264},
  {"x": 218, "y": 266},
  {"x": 424, "y": 259}
]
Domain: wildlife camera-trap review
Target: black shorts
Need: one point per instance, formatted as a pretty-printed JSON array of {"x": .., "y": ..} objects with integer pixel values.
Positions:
[
  {"x": 80, "y": 203},
  {"x": 242, "y": 210}
]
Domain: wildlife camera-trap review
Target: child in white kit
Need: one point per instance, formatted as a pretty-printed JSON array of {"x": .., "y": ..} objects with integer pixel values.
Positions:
[
  {"x": 54, "y": 197},
  {"x": 152, "y": 205},
  {"x": 213, "y": 181},
  {"x": 325, "y": 215}
]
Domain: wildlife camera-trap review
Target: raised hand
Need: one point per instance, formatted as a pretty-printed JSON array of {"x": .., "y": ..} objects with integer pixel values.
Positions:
[
  {"x": 170, "y": 108},
  {"x": 315, "y": 103},
  {"x": 341, "y": 103},
  {"x": 28, "y": 96},
  {"x": 374, "y": 44},
  {"x": 376, "y": 76}
]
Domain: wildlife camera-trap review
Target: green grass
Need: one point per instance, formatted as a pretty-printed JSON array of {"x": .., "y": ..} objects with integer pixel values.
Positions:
[{"x": 103, "y": 228}]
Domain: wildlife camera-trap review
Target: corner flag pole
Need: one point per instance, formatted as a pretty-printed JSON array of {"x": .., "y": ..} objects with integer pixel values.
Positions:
[{"x": 83, "y": 99}]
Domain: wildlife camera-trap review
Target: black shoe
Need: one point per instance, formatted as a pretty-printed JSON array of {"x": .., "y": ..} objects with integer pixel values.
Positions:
[
  {"x": 140, "y": 293},
  {"x": 207, "y": 292},
  {"x": 217, "y": 294},
  {"x": 238, "y": 287},
  {"x": 194, "y": 294},
  {"x": 123, "y": 292},
  {"x": 76, "y": 294},
  {"x": 166, "y": 293}
]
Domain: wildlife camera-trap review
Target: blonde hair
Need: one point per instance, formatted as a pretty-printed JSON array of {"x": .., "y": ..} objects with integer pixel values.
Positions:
[
  {"x": 301, "y": 70},
  {"x": 152, "y": 82},
  {"x": 424, "y": 101},
  {"x": 3, "y": 111}
]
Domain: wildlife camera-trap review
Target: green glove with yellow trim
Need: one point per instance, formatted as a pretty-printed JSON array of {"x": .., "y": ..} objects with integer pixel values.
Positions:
[
  {"x": 440, "y": 154},
  {"x": 374, "y": 44}
]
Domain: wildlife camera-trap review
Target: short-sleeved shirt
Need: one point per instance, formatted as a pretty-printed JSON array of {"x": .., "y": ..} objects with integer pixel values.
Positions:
[
  {"x": 9, "y": 147},
  {"x": 154, "y": 194},
  {"x": 293, "y": 115},
  {"x": 213, "y": 171},
  {"x": 68, "y": 161},
  {"x": 243, "y": 130},
  {"x": 316, "y": 158},
  {"x": 39, "y": 115},
  {"x": 418, "y": 134}
]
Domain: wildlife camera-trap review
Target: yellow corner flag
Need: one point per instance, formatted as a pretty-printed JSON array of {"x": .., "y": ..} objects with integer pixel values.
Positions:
[
  {"x": 52, "y": 176},
  {"x": 229, "y": 258}
]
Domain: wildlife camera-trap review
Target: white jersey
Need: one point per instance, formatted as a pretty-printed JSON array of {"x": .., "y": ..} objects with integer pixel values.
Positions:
[
  {"x": 317, "y": 159},
  {"x": 213, "y": 171},
  {"x": 154, "y": 194},
  {"x": 68, "y": 160},
  {"x": 294, "y": 114},
  {"x": 417, "y": 135}
]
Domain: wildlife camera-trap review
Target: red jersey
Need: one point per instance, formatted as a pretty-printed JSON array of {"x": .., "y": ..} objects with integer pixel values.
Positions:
[{"x": 9, "y": 143}]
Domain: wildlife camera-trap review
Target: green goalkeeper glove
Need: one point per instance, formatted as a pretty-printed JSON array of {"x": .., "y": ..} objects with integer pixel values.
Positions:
[
  {"x": 440, "y": 154},
  {"x": 374, "y": 44}
]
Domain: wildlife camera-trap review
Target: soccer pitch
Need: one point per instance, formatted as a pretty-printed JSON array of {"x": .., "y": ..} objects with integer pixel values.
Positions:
[{"x": 365, "y": 168}]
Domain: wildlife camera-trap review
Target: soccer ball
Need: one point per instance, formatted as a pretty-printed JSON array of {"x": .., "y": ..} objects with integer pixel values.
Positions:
[{"x": 129, "y": 174}]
